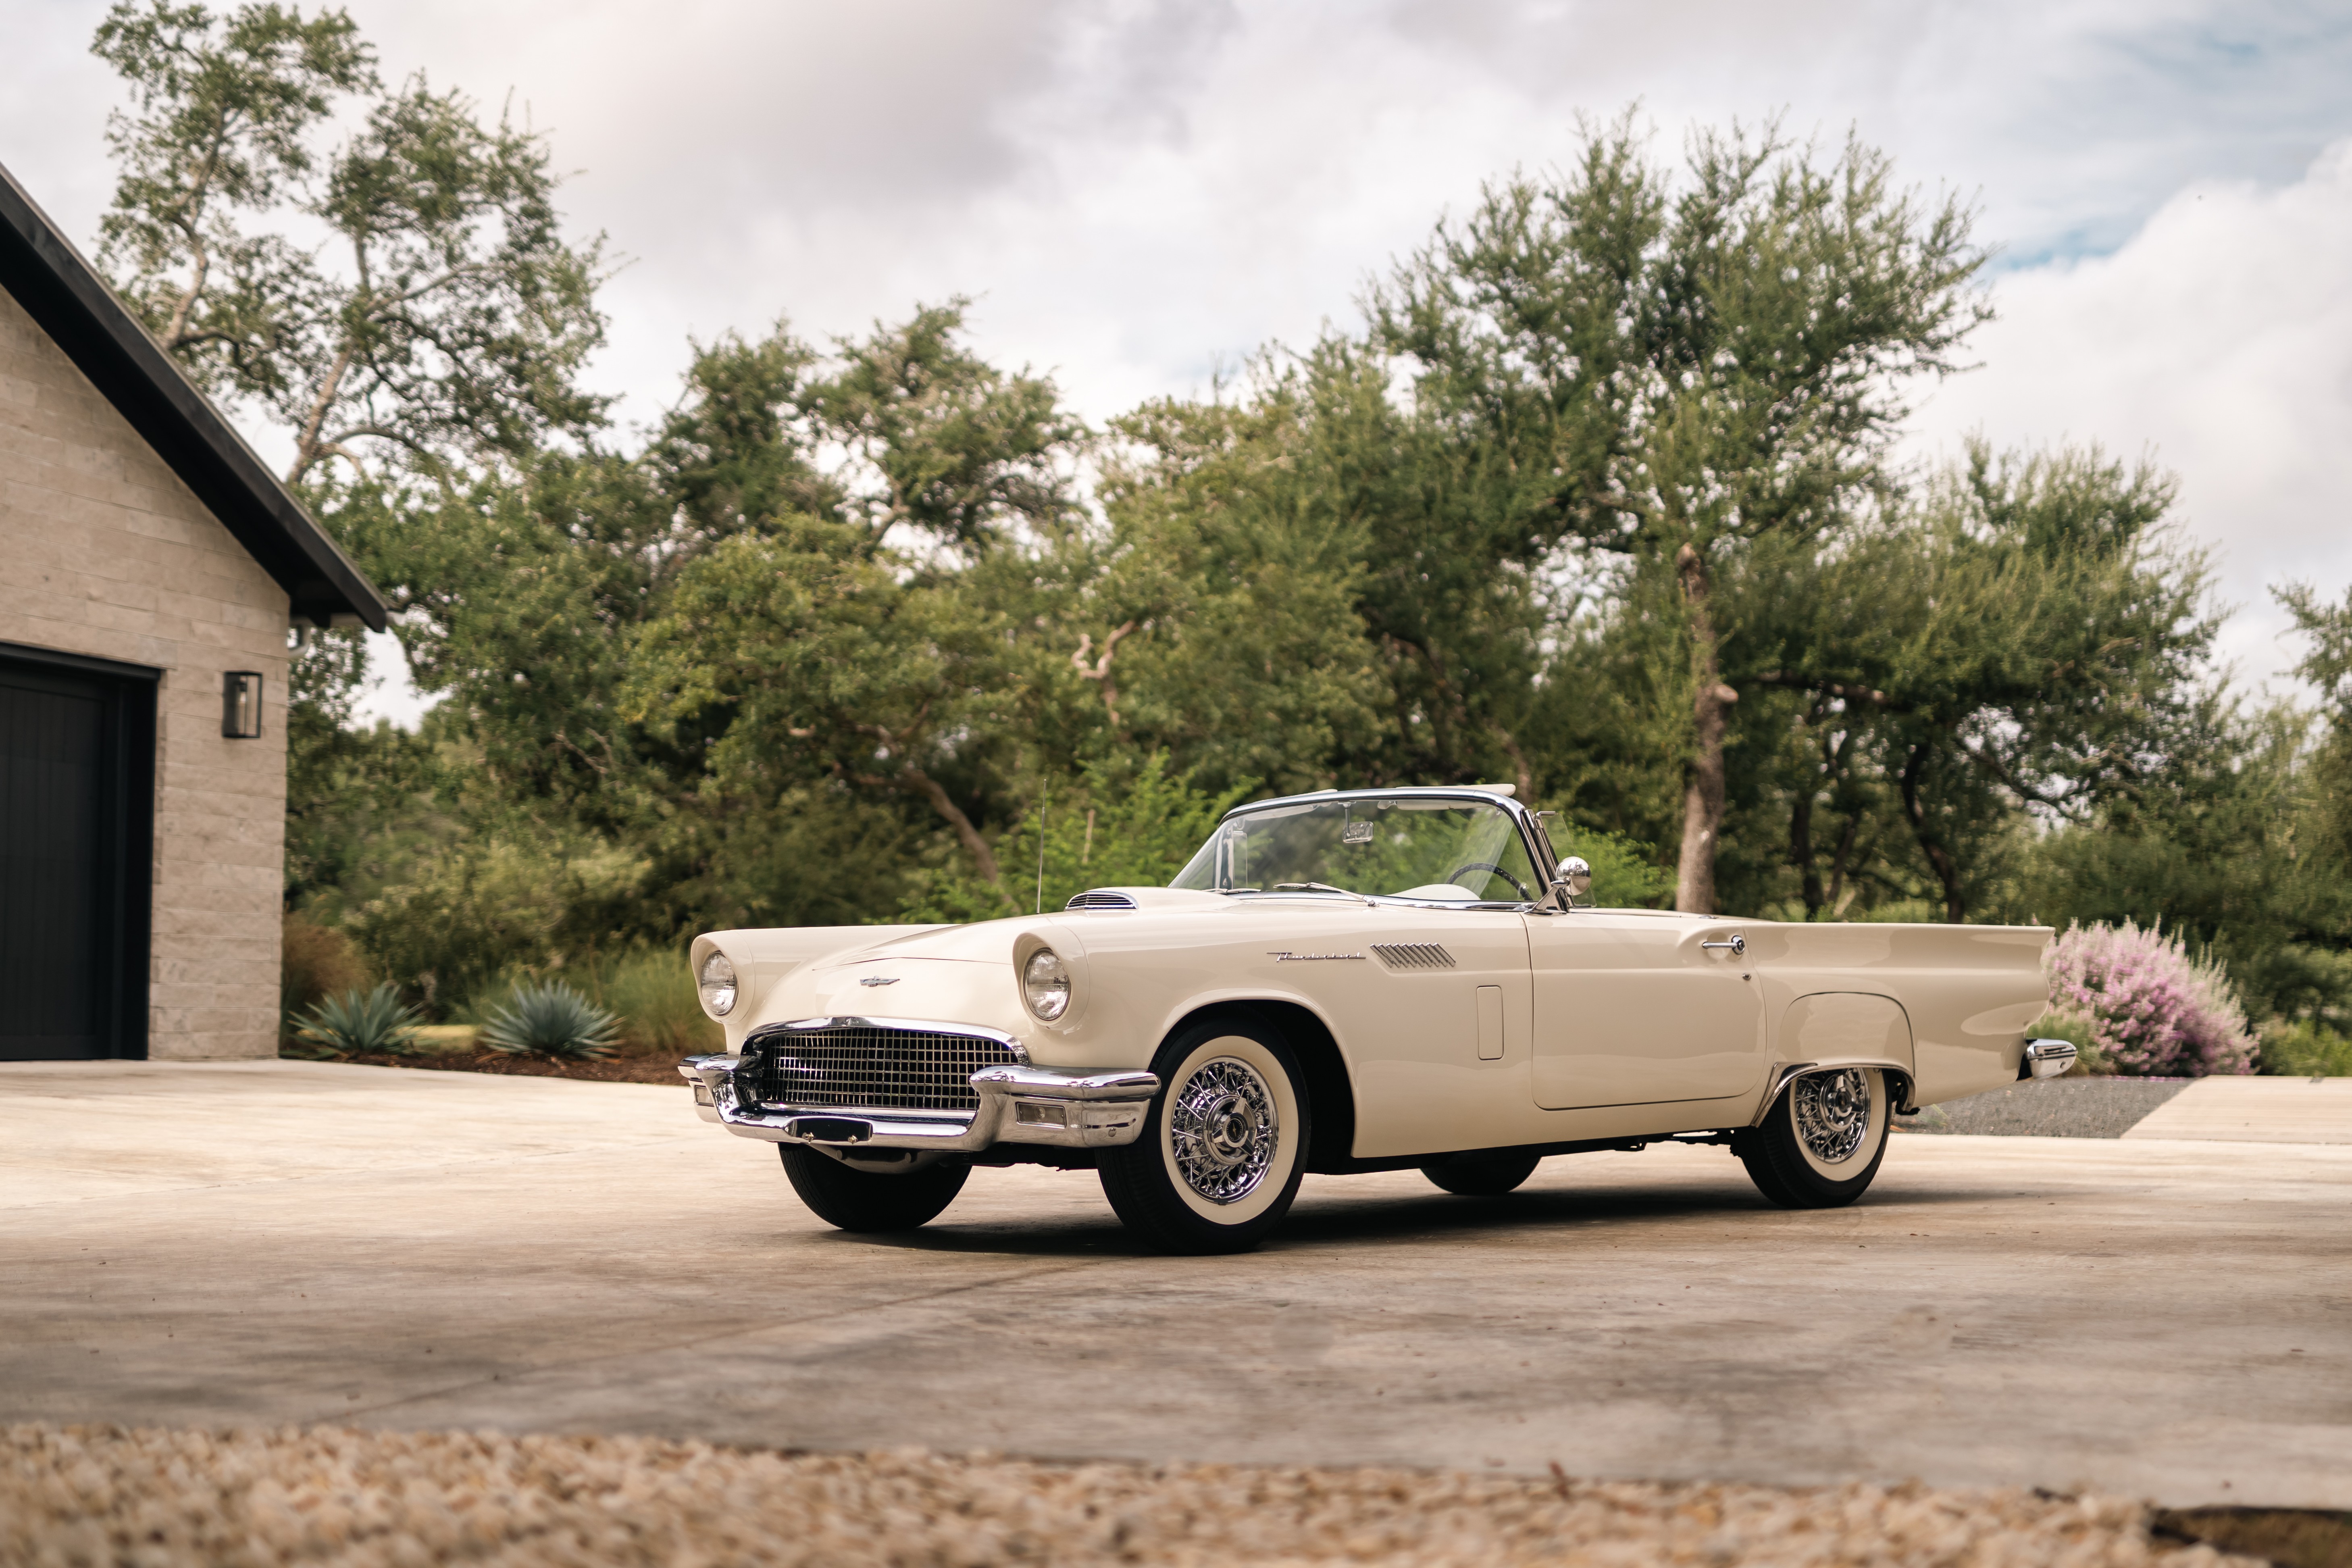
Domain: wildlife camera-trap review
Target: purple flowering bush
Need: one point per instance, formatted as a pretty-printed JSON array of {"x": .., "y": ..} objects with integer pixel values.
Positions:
[{"x": 2149, "y": 1008}]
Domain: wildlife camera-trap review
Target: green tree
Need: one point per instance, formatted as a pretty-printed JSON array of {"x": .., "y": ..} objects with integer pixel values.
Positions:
[
  {"x": 1680, "y": 374},
  {"x": 443, "y": 323},
  {"x": 2029, "y": 634},
  {"x": 226, "y": 108}
]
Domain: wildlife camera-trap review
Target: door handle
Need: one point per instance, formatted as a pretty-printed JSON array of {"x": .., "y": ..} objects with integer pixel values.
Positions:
[{"x": 1738, "y": 944}]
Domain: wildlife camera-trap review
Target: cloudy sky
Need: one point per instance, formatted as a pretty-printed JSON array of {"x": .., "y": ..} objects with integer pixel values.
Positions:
[{"x": 1139, "y": 192}]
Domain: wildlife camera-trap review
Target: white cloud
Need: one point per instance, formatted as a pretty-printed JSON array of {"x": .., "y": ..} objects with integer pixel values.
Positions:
[
  {"x": 1134, "y": 189},
  {"x": 2217, "y": 340}
]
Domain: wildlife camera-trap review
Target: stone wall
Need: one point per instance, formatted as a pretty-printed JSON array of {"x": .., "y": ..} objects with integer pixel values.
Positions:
[{"x": 104, "y": 551}]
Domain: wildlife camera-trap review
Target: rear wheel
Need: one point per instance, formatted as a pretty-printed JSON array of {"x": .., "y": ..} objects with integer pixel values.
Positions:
[
  {"x": 1480, "y": 1175},
  {"x": 1223, "y": 1146},
  {"x": 1822, "y": 1142},
  {"x": 869, "y": 1201}
]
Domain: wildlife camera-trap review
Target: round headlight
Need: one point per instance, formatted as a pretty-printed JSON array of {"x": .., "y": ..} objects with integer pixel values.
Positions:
[
  {"x": 717, "y": 982},
  {"x": 1045, "y": 984}
]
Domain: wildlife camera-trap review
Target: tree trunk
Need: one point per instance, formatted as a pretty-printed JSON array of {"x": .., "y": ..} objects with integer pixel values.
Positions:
[
  {"x": 922, "y": 783},
  {"x": 1940, "y": 859},
  {"x": 1800, "y": 852},
  {"x": 1710, "y": 716}
]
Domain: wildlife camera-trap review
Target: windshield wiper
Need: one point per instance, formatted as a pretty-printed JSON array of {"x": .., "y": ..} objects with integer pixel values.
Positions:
[{"x": 1319, "y": 888}]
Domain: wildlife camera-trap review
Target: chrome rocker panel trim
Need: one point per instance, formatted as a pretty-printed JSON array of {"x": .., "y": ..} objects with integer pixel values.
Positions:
[{"x": 1018, "y": 1104}]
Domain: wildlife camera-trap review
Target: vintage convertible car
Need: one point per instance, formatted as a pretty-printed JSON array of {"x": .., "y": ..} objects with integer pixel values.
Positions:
[{"x": 1352, "y": 981}]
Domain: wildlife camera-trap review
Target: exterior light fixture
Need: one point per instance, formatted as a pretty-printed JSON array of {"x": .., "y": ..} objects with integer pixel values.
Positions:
[{"x": 241, "y": 705}]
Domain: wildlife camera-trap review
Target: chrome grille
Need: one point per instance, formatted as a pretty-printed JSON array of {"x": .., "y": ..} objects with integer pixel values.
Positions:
[
  {"x": 1099, "y": 900},
  {"x": 1412, "y": 955},
  {"x": 846, "y": 1065}
]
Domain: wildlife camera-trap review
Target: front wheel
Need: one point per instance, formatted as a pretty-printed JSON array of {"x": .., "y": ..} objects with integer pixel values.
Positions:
[
  {"x": 1822, "y": 1142},
  {"x": 870, "y": 1201},
  {"x": 1223, "y": 1146}
]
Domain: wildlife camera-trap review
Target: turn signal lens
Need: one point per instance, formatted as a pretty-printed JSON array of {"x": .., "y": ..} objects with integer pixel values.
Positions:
[
  {"x": 1045, "y": 985},
  {"x": 717, "y": 982}
]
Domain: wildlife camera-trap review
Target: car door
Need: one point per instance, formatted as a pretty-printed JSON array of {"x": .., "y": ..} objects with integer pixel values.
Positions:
[
  {"x": 1633, "y": 1008},
  {"x": 1432, "y": 1008}
]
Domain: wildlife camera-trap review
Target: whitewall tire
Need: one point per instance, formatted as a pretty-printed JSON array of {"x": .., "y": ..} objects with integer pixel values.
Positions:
[
  {"x": 1820, "y": 1144},
  {"x": 1222, "y": 1151}
]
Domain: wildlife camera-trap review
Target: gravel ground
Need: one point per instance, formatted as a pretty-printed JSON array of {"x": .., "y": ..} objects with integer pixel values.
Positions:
[
  {"x": 157, "y": 1498},
  {"x": 2059, "y": 1108}
]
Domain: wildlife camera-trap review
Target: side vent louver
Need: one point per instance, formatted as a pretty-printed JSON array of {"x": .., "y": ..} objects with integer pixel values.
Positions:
[
  {"x": 1412, "y": 955},
  {"x": 1099, "y": 901}
]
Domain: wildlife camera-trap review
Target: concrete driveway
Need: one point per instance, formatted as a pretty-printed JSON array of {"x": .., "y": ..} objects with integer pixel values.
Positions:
[{"x": 238, "y": 1244}]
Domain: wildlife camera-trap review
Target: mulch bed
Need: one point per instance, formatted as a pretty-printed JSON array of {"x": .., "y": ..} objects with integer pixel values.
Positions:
[
  {"x": 660, "y": 1069},
  {"x": 95, "y": 1497}
]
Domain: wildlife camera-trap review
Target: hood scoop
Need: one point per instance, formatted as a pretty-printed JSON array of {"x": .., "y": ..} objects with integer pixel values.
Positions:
[{"x": 1101, "y": 898}]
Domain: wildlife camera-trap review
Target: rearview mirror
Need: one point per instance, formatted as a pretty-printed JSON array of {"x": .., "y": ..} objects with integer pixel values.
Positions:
[{"x": 1574, "y": 878}]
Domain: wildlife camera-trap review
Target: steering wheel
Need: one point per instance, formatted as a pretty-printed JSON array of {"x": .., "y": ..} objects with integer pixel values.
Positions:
[{"x": 1456, "y": 876}]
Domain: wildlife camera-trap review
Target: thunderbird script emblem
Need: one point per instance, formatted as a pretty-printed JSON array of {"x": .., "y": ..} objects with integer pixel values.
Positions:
[{"x": 880, "y": 979}]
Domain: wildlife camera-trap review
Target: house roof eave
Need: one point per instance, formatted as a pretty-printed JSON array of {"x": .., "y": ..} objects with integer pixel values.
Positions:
[{"x": 62, "y": 293}]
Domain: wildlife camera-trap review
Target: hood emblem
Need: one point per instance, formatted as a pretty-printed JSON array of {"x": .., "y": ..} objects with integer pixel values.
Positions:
[{"x": 880, "y": 979}]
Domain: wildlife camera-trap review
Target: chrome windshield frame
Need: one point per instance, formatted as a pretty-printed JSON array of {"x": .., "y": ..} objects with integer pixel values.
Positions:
[{"x": 1537, "y": 843}]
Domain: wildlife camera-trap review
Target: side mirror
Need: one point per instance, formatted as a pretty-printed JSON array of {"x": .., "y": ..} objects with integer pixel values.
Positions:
[{"x": 1574, "y": 879}]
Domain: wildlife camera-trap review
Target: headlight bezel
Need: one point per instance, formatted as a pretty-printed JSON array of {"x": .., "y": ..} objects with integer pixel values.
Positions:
[
  {"x": 720, "y": 993},
  {"x": 1058, "y": 987}
]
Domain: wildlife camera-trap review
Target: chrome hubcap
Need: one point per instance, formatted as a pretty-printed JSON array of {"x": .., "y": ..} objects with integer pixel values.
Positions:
[
  {"x": 1222, "y": 1129},
  {"x": 1831, "y": 1111}
]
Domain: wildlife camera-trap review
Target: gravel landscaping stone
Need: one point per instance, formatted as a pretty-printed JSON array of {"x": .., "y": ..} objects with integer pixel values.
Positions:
[
  {"x": 72, "y": 1496},
  {"x": 2059, "y": 1108}
]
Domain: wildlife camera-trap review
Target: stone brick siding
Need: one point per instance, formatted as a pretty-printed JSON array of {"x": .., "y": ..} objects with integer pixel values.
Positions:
[{"x": 104, "y": 551}]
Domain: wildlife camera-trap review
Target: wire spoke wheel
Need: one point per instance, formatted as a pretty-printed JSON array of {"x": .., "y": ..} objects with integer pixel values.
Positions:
[
  {"x": 1225, "y": 1144},
  {"x": 1820, "y": 1144},
  {"x": 1222, "y": 1128},
  {"x": 1832, "y": 1112}
]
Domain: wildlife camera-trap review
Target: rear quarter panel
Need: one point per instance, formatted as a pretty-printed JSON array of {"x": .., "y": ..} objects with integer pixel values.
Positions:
[{"x": 1969, "y": 993}]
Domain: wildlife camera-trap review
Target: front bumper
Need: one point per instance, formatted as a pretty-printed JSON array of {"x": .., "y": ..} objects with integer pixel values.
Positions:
[{"x": 1017, "y": 1105}]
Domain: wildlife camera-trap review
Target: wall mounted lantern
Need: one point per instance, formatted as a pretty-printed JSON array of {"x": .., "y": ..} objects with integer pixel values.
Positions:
[{"x": 241, "y": 705}]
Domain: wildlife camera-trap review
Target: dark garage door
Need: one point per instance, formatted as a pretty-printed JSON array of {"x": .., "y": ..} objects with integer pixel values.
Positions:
[{"x": 76, "y": 760}]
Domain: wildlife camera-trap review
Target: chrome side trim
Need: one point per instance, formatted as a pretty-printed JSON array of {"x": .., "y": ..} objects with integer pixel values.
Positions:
[
  {"x": 1018, "y": 1104},
  {"x": 1412, "y": 954},
  {"x": 1790, "y": 1072}
]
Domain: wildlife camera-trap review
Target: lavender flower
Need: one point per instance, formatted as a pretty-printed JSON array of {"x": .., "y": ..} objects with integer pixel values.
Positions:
[{"x": 2154, "y": 1011}]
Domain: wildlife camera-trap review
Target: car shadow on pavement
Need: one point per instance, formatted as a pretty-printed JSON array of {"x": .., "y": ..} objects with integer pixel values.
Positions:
[{"x": 1332, "y": 1217}]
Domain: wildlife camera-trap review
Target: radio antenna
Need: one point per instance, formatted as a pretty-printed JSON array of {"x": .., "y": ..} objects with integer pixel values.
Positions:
[{"x": 1041, "y": 850}]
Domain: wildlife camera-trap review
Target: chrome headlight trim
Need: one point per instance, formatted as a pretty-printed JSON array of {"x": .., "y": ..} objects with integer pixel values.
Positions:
[
  {"x": 715, "y": 984},
  {"x": 1046, "y": 988}
]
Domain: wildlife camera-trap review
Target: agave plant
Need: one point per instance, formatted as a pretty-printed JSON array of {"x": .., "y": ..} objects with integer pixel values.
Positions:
[
  {"x": 359, "y": 1022},
  {"x": 551, "y": 1019}
]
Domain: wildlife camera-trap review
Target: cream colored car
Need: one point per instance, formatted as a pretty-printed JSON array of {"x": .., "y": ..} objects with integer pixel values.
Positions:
[{"x": 1352, "y": 981}]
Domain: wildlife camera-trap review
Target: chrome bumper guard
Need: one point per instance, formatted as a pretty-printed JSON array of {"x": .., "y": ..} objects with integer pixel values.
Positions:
[
  {"x": 2046, "y": 1058},
  {"x": 1017, "y": 1105}
]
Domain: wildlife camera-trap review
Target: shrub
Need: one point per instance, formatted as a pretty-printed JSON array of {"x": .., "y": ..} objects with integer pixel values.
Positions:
[
  {"x": 550, "y": 1019},
  {"x": 315, "y": 962},
  {"x": 359, "y": 1022},
  {"x": 654, "y": 994},
  {"x": 2154, "y": 1011},
  {"x": 483, "y": 906},
  {"x": 2305, "y": 1049}
]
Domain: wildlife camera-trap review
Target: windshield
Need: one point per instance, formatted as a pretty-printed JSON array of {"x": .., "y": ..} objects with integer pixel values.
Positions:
[{"x": 1453, "y": 851}]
